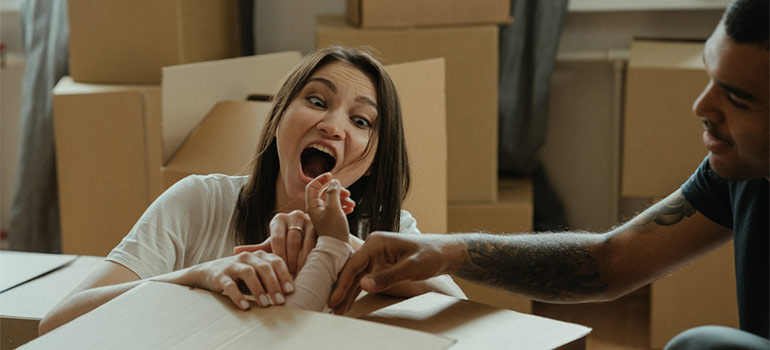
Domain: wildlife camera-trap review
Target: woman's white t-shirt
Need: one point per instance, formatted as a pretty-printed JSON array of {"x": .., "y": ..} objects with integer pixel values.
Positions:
[{"x": 190, "y": 224}]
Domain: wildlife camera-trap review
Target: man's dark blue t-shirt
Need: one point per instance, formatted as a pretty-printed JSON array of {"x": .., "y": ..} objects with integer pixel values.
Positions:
[{"x": 742, "y": 206}]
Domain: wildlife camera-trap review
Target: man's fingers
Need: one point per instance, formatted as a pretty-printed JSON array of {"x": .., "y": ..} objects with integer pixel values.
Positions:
[
  {"x": 348, "y": 278},
  {"x": 349, "y": 300},
  {"x": 384, "y": 278}
]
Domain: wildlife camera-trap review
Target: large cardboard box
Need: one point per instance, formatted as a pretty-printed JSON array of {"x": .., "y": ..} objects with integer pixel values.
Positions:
[
  {"x": 471, "y": 90},
  {"x": 225, "y": 142},
  {"x": 662, "y": 143},
  {"x": 147, "y": 317},
  {"x": 383, "y": 13},
  {"x": 700, "y": 294},
  {"x": 129, "y": 41},
  {"x": 108, "y": 156},
  {"x": 511, "y": 213},
  {"x": 22, "y": 307}
]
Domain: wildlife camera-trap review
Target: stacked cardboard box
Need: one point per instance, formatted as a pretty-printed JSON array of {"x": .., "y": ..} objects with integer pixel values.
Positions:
[
  {"x": 661, "y": 147},
  {"x": 465, "y": 33}
]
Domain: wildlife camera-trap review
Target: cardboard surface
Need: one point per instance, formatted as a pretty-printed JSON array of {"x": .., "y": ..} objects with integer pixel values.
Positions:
[
  {"x": 384, "y": 13},
  {"x": 19, "y": 267},
  {"x": 129, "y": 41},
  {"x": 477, "y": 326},
  {"x": 471, "y": 55},
  {"x": 700, "y": 294},
  {"x": 662, "y": 138},
  {"x": 420, "y": 87},
  {"x": 190, "y": 91},
  {"x": 148, "y": 317},
  {"x": 225, "y": 142},
  {"x": 22, "y": 308},
  {"x": 108, "y": 161}
]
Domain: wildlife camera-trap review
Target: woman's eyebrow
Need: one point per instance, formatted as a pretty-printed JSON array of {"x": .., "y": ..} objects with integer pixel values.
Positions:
[
  {"x": 326, "y": 82},
  {"x": 366, "y": 100}
]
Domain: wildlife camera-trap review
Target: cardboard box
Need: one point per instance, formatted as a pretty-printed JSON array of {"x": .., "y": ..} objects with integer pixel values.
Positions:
[
  {"x": 22, "y": 307},
  {"x": 382, "y": 13},
  {"x": 226, "y": 141},
  {"x": 662, "y": 143},
  {"x": 190, "y": 91},
  {"x": 477, "y": 326},
  {"x": 512, "y": 213},
  {"x": 471, "y": 54},
  {"x": 147, "y": 317},
  {"x": 702, "y": 293},
  {"x": 108, "y": 156},
  {"x": 129, "y": 41},
  {"x": 16, "y": 268}
]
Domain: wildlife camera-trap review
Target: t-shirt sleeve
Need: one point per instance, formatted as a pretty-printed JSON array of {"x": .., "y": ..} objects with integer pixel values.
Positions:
[
  {"x": 314, "y": 282},
  {"x": 156, "y": 244},
  {"x": 709, "y": 194},
  {"x": 408, "y": 223}
]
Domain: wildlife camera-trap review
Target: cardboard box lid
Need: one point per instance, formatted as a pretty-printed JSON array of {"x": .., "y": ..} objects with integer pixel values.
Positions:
[
  {"x": 157, "y": 315},
  {"x": 666, "y": 54},
  {"x": 225, "y": 141},
  {"x": 477, "y": 326},
  {"x": 19, "y": 267},
  {"x": 34, "y": 299},
  {"x": 421, "y": 90},
  {"x": 190, "y": 91}
]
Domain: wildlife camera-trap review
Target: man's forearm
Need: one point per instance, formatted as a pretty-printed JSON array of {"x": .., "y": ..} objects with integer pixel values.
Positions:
[{"x": 553, "y": 267}]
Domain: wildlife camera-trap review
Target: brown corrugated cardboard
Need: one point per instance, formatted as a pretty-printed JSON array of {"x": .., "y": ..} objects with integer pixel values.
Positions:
[
  {"x": 225, "y": 142},
  {"x": 148, "y": 317},
  {"x": 421, "y": 88},
  {"x": 511, "y": 213},
  {"x": 383, "y": 13},
  {"x": 22, "y": 307},
  {"x": 477, "y": 326},
  {"x": 662, "y": 143},
  {"x": 129, "y": 41},
  {"x": 702, "y": 293},
  {"x": 471, "y": 90},
  {"x": 190, "y": 91},
  {"x": 108, "y": 156}
]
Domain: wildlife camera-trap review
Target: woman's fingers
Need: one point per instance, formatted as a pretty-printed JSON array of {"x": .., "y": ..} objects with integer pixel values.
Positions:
[
  {"x": 278, "y": 227},
  {"x": 251, "y": 248},
  {"x": 248, "y": 275},
  {"x": 230, "y": 288}
]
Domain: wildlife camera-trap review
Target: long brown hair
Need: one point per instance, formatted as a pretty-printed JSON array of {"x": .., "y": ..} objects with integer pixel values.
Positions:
[{"x": 378, "y": 195}]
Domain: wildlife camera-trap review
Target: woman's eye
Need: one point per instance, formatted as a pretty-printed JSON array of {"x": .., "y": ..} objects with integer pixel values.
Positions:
[
  {"x": 361, "y": 122},
  {"x": 316, "y": 101}
]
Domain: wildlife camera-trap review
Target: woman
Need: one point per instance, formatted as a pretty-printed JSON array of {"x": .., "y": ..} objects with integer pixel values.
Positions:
[{"x": 337, "y": 112}]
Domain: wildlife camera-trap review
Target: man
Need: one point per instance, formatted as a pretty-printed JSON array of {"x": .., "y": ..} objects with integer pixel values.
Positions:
[{"x": 726, "y": 198}]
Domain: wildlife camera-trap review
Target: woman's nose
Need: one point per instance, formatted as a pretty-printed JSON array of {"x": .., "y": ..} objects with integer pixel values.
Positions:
[
  {"x": 708, "y": 105},
  {"x": 332, "y": 127}
]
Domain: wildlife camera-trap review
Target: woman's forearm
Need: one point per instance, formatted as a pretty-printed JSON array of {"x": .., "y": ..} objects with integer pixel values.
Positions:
[{"x": 87, "y": 300}]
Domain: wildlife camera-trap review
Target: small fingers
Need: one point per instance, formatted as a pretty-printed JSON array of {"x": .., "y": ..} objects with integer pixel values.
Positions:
[{"x": 313, "y": 201}]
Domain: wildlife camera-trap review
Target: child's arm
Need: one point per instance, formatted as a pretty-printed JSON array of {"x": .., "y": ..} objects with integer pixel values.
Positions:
[{"x": 315, "y": 280}]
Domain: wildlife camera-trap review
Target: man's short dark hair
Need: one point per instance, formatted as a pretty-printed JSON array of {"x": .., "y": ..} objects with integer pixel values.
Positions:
[{"x": 746, "y": 22}]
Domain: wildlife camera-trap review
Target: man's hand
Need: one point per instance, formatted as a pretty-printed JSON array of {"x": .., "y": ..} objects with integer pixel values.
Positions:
[{"x": 389, "y": 258}]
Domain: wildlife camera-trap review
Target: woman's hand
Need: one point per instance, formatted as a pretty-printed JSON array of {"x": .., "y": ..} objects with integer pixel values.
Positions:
[
  {"x": 325, "y": 207},
  {"x": 262, "y": 274}
]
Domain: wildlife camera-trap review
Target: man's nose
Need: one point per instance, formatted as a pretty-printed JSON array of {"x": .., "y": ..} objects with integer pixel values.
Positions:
[{"x": 708, "y": 104}]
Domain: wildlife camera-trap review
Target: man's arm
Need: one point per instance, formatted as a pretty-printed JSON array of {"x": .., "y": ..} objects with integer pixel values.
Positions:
[{"x": 553, "y": 267}]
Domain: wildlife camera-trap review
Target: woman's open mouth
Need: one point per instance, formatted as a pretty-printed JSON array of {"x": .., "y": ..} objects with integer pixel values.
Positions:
[{"x": 317, "y": 159}]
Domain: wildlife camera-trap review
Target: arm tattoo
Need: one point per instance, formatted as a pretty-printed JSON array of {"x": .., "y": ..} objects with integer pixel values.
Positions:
[
  {"x": 667, "y": 212},
  {"x": 546, "y": 267}
]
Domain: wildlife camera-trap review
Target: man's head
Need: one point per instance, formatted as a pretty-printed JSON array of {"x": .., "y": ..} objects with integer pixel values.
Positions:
[{"x": 734, "y": 105}]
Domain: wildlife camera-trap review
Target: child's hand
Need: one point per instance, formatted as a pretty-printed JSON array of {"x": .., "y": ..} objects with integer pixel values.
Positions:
[{"x": 327, "y": 212}]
